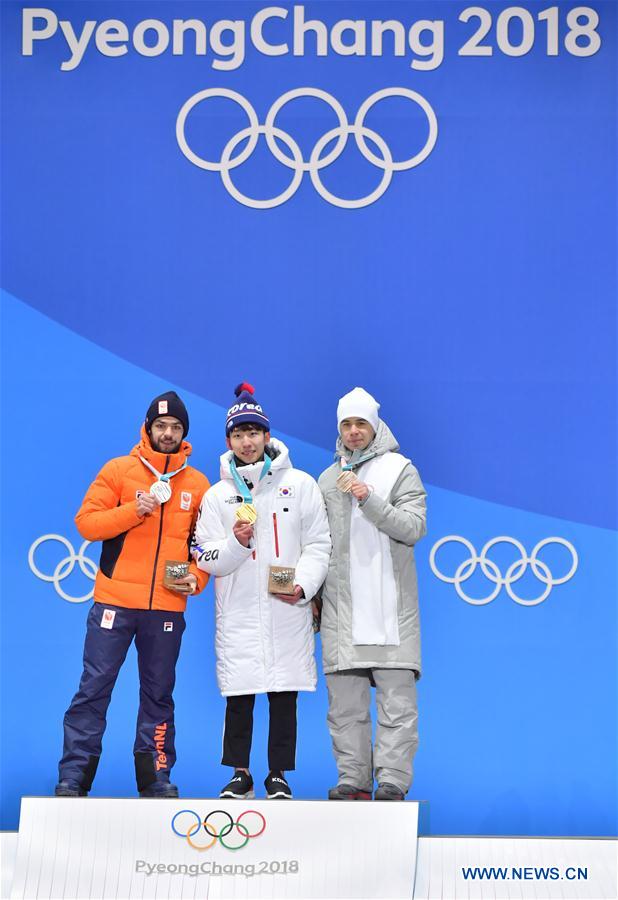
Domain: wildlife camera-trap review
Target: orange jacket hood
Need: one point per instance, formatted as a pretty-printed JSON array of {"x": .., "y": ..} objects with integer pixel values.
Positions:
[{"x": 157, "y": 459}]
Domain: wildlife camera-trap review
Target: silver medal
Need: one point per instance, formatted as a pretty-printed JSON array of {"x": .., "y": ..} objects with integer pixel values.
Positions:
[{"x": 161, "y": 491}]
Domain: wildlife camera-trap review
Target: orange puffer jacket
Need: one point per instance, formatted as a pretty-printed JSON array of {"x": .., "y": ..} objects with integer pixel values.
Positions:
[{"x": 135, "y": 549}]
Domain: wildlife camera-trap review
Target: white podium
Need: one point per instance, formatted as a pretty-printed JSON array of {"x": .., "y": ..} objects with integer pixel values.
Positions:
[{"x": 106, "y": 848}]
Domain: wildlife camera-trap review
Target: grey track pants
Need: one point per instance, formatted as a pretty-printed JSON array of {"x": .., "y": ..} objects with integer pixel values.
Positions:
[{"x": 349, "y": 722}]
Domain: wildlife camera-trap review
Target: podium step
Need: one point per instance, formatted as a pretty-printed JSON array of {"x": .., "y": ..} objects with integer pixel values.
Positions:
[{"x": 112, "y": 848}]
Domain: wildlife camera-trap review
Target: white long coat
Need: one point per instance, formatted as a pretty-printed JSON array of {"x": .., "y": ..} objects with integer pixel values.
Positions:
[{"x": 262, "y": 643}]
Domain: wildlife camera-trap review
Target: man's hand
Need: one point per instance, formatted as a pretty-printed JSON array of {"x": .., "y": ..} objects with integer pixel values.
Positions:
[
  {"x": 243, "y": 532},
  {"x": 359, "y": 489},
  {"x": 292, "y": 599},
  {"x": 185, "y": 585},
  {"x": 145, "y": 505}
]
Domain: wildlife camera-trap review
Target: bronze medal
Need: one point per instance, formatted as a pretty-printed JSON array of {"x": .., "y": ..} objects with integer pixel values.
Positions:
[{"x": 345, "y": 481}]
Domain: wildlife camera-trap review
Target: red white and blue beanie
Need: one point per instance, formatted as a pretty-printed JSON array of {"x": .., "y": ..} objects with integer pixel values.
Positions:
[
  {"x": 246, "y": 410},
  {"x": 358, "y": 404}
]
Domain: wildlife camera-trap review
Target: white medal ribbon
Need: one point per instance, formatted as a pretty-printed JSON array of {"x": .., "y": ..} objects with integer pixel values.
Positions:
[{"x": 161, "y": 489}]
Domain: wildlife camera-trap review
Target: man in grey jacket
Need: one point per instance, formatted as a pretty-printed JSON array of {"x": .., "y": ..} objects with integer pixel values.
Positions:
[{"x": 370, "y": 623}]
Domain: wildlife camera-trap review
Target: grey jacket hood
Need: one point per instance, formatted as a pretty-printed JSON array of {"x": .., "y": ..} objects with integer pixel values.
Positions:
[{"x": 383, "y": 442}]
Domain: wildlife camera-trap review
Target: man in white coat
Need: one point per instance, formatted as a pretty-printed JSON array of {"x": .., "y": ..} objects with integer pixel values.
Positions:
[
  {"x": 370, "y": 623},
  {"x": 262, "y": 514}
]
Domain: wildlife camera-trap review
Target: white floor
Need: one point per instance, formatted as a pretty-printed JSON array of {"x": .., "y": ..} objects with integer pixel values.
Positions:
[{"x": 440, "y": 861}]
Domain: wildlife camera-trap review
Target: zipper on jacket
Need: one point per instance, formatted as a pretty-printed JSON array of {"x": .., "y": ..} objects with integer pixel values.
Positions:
[
  {"x": 156, "y": 560},
  {"x": 276, "y": 533},
  {"x": 259, "y": 596}
]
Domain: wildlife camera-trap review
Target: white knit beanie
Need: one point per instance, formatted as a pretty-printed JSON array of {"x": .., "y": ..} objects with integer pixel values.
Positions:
[{"x": 358, "y": 404}]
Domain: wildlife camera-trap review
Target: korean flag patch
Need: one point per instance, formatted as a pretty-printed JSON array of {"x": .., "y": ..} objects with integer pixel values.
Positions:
[{"x": 285, "y": 492}]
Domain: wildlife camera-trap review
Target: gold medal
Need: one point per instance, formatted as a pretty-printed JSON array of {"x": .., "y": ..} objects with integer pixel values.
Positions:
[
  {"x": 246, "y": 513},
  {"x": 345, "y": 481}
]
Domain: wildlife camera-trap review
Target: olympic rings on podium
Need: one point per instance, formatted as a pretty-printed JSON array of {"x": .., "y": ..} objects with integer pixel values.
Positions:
[{"x": 216, "y": 831}]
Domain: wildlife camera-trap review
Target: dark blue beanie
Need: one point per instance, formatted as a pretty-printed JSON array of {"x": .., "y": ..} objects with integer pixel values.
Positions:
[
  {"x": 246, "y": 411},
  {"x": 168, "y": 404}
]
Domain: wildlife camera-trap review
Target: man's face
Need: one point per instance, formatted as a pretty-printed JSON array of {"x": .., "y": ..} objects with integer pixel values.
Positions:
[
  {"x": 356, "y": 434},
  {"x": 247, "y": 442},
  {"x": 166, "y": 434}
]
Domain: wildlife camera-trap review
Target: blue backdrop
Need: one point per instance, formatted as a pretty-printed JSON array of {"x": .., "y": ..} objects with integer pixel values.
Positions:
[{"x": 475, "y": 299}]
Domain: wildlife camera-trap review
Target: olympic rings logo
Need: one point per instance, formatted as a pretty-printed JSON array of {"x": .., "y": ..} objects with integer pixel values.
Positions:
[
  {"x": 316, "y": 161},
  {"x": 219, "y": 826},
  {"x": 65, "y": 566},
  {"x": 514, "y": 572}
]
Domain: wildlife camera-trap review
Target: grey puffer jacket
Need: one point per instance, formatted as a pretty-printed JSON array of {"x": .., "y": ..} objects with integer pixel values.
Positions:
[{"x": 402, "y": 518}]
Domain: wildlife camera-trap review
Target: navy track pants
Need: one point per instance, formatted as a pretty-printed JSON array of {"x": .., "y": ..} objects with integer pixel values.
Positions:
[{"x": 110, "y": 632}]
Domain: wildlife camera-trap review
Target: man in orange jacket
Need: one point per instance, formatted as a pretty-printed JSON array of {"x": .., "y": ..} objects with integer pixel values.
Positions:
[{"x": 143, "y": 508}]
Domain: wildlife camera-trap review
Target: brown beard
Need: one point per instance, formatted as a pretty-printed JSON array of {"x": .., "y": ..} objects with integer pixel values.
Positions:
[{"x": 172, "y": 449}]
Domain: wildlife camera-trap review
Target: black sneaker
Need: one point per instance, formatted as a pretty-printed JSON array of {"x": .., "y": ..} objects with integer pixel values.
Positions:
[
  {"x": 162, "y": 789},
  {"x": 239, "y": 788},
  {"x": 388, "y": 791},
  {"x": 348, "y": 792},
  {"x": 69, "y": 789},
  {"x": 277, "y": 787}
]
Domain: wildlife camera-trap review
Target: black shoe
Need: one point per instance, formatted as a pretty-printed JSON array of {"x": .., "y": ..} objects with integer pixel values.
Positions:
[
  {"x": 277, "y": 787},
  {"x": 239, "y": 788},
  {"x": 388, "y": 791},
  {"x": 69, "y": 789},
  {"x": 348, "y": 792},
  {"x": 162, "y": 789}
]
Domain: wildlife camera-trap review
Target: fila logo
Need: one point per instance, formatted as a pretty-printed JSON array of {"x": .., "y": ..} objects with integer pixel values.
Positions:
[{"x": 168, "y": 626}]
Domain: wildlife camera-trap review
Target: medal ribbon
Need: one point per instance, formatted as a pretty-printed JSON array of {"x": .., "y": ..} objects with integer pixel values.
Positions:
[
  {"x": 241, "y": 487},
  {"x": 160, "y": 476},
  {"x": 352, "y": 465}
]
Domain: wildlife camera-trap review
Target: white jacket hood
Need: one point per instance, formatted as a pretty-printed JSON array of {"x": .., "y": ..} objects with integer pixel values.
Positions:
[{"x": 276, "y": 450}]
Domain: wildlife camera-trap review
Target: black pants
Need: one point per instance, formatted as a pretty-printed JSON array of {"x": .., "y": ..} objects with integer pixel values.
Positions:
[{"x": 281, "y": 732}]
